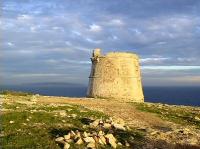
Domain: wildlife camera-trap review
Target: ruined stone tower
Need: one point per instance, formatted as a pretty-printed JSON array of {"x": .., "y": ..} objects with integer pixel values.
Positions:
[{"x": 115, "y": 75}]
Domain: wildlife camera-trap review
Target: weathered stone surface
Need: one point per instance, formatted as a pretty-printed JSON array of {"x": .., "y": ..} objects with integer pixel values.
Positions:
[
  {"x": 66, "y": 145},
  {"x": 89, "y": 139},
  {"x": 118, "y": 126},
  {"x": 60, "y": 140},
  {"x": 102, "y": 140},
  {"x": 67, "y": 137},
  {"x": 11, "y": 122},
  {"x": 111, "y": 140},
  {"x": 95, "y": 123},
  {"x": 91, "y": 145},
  {"x": 107, "y": 125},
  {"x": 115, "y": 75},
  {"x": 80, "y": 141}
]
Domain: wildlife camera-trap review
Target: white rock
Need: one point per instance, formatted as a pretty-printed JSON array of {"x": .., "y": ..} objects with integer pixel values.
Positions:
[
  {"x": 66, "y": 145},
  {"x": 80, "y": 141},
  {"x": 95, "y": 123},
  {"x": 85, "y": 134},
  {"x": 69, "y": 140},
  {"x": 119, "y": 143},
  {"x": 102, "y": 140},
  {"x": 119, "y": 126},
  {"x": 101, "y": 133},
  {"x": 67, "y": 137},
  {"x": 110, "y": 136},
  {"x": 72, "y": 134},
  {"x": 73, "y": 115},
  {"x": 11, "y": 122},
  {"x": 59, "y": 139},
  {"x": 127, "y": 144},
  {"x": 107, "y": 125},
  {"x": 62, "y": 113},
  {"x": 89, "y": 139},
  {"x": 91, "y": 145},
  {"x": 111, "y": 140},
  {"x": 197, "y": 118}
]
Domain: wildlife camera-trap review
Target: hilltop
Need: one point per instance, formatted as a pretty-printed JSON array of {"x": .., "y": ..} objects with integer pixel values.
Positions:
[{"x": 35, "y": 121}]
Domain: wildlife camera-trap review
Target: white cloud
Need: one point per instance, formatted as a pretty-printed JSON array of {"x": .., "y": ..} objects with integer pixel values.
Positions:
[
  {"x": 171, "y": 67},
  {"x": 95, "y": 28},
  {"x": 183, "y": 59},
  {"x": 24, "y": 17},
  {"x": 153, "y": 60},
  {"x": 76, "y": 33},
  {"x": 161, "y": 43},
  {"x": 116, "y": 22},
  {"x": 10, "y": 44},
  {"x": 136, "y": 31},
  {"x": 93, "y": 41}
]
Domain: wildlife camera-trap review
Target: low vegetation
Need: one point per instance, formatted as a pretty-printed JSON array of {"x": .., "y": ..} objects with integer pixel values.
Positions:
[
  {"x": 30, "y": 125},
  {"x": 183, "y": 115},
  {"x": 15, "y": 93}
]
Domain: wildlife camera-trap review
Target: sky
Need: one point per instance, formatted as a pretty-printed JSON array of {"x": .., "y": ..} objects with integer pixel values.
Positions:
[{"x": 52, "y": 40}]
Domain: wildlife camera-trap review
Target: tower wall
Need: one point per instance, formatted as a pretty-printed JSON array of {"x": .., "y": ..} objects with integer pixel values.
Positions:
[{"x": 116, "y": 75}]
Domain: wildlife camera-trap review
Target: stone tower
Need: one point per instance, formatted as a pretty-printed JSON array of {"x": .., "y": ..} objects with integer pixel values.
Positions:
[{"x": 115, "y": 75}]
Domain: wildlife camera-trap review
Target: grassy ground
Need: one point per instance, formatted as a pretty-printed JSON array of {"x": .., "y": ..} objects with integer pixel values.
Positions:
[
  {"x": 37, "y": 125},
  {"x": 178, "y": 114}
]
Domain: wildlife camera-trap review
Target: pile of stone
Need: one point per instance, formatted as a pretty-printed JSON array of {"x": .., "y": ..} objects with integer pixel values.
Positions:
[{"x": 92, "y": 140}]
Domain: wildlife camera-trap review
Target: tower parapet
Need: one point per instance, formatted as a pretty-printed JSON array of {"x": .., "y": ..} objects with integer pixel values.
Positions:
[{"x": 115, "y": 75}]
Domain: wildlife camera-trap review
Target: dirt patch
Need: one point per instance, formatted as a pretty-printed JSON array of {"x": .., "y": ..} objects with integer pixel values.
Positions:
[{"x": 122, "y": 110}]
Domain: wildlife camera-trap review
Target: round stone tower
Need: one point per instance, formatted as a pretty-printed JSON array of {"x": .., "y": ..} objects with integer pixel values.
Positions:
[{"x": 115, "y": 75}]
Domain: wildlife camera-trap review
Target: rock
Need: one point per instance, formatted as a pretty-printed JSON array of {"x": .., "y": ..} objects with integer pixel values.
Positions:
[
  {"x": 11, "y": 122},
  {"x": 154, "y": 133},
  {"x": 89, "y": 139},
  {"x": 101, "y": 133},
  {"x": 107, "y": 125},
  {"x": 197, "y": 118},
  {"x": 73, "y": 115},
  {"x": 127, "y": 144},
  {"x": 96, "y": 139},
  {"x": 119, "y": 126},
  {"x": 102, "y": 140},
  {"x": 95, "y": 123},
  {"x": 101, "y": 122},
  {"x": 91, "y": 145},
  {"x": 80, "y": 141},
  {"x": 112, "y": 143},
  {"x": 62, "y": 113},
  {"x": 111, "y": 140},
  {"x": 119, "y": 143},
  {"x": 66, "y": 145},
  {"x": 72, "y": 134},
  {"x": 60, "y": 140},
  {"x": 67, "y": 137},
  {"x": 69, "y": 141},
  {"x": 77, "y": 135},
  {"x": 85, "y": 134}
]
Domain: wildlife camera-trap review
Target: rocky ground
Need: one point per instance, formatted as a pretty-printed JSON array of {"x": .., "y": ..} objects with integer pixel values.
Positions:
[{"x": 34, "y": 121}]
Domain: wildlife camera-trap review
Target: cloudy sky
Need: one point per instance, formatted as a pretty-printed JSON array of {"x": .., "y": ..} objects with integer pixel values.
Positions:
[{"x": 52, "y": 40}]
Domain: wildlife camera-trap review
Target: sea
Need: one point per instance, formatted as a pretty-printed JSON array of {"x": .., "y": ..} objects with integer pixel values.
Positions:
[{"x": 169, "y": 95}]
